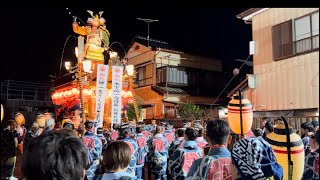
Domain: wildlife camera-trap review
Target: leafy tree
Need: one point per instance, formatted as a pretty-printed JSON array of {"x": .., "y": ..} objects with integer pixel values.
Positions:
[
  {"x": 189, "y": 111},
  {"x": 131, "y": 113}
]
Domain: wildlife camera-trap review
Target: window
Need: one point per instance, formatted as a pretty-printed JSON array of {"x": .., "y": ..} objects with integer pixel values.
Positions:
[
  {"x": 141, "y": 76},
  {"x": 306, "y": 33},
  {"x": 295, "y": 36},
  {"x": 282, "y": 40}
]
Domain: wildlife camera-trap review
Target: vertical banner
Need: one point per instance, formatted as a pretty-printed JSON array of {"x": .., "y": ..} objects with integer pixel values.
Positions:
[
  {"x": 102, "y": 79},
  {"x": 116, "y": 94}
]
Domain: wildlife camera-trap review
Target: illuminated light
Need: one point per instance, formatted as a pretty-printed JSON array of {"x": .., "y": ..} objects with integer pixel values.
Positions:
[
  {"x": 90, "y": 92},
  {"x": 123, "y": 93},
  {"x": 76, "y": 51},
  {"x": 113, "y": 54},
  {"x": 74, "y": 91},
  {"x": 69, "y": 93},
  {"x": 234, "y": 115},
  {"x": 130, "y": 69},
  {"x": 65, "y": 94},
  {"x": 61, "y": 94},
  {"x": 129, "y": 94},
  {"x": 130, "y": 100},
  {"x": 67, "y": 65},
  {"x": 87, "y": 66},
  {"x": 85, "y": 92}
]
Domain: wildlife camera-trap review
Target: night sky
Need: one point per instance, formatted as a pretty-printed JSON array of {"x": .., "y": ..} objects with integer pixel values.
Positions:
[{"x": 34, "y": 38}]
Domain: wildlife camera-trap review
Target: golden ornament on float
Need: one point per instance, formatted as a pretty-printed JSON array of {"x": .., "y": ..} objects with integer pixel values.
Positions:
[
  {"x": 277, "y": 140},
  {"x": 19, "y": 118},
  {"x": 234, "y": 114}
]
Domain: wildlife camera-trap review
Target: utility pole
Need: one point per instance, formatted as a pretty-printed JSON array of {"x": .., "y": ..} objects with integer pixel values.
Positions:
[{"x": 148, "y": 21}]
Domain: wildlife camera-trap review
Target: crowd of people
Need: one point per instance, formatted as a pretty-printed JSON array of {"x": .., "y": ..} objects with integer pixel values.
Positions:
[{"x": 147, "y": 151}]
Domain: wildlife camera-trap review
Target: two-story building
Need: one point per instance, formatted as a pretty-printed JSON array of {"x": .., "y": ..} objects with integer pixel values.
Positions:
[
  {"x": 286, "y": 62},
  {"x": 166, "y": 78}
]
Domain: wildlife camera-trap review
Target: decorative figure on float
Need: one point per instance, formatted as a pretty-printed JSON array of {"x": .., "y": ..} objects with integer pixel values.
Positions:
[{"x": 97, "y": 38}]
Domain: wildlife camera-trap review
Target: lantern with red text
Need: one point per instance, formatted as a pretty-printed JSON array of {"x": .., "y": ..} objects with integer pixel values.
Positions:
[{"x": 234, "y": 115}]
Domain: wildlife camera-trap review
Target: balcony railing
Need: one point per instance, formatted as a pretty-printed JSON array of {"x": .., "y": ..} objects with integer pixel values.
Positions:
[{"x": 172, "y": 75}]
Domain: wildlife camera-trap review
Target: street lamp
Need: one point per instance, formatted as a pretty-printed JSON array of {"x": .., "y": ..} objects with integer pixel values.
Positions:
[
  {"x": 130, "y": 71},
  {"x": 67, "y": 65},
  {"x": 87, "y": 66}
]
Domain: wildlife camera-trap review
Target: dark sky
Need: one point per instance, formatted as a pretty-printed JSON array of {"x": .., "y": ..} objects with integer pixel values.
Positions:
[{"x": 34, "y": 38}]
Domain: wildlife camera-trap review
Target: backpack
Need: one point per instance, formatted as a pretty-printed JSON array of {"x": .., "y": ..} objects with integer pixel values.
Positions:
[
  {"x": 189, "y": 157},
  {"x": 141, "y": 153},
  {"x": 169, "y": 137}
]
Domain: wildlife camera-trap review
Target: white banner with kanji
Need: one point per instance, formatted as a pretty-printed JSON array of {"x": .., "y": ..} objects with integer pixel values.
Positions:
[
  {"x": 101, "y": 90},
  {"x": 116, "y": 93}
]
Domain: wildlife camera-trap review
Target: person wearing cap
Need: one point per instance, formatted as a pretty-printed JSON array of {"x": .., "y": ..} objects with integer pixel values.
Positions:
[
  {"x": 253, "y": 158},
  {"x": 311, "y": 165},
  {"x": 125, "y": 136},
  {"x": 216, "y": 164},
  {"x": 94, "y": 148}
]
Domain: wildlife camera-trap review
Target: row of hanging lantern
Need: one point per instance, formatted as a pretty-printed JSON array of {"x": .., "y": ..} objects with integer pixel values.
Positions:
[{"x": 59, "y": 96}]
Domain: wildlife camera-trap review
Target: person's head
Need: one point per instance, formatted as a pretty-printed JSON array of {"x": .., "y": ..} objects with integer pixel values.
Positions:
[
  {"x": 257, "y": 132},
  {"x": 115, "y": 126},
  {"x": 306, "y": 127},
  {"x": 99, "y": 130},
  {"x": 158, "y": 130},
  {"x": 68, "y": 125},
  {"x": 54, "y": 155},
  {"x": 117, "y": 156},
  {"x": 12, "y": 124},
  {"x": 190, "y": 134},
  {"x": 153, "y": 122},
  {"x": 140, "y": 123},
  {"x": 315, "y": 125},
  {"x": 269, "y": 126},
  {"x": 124, "y": 131},
  {"x": 314, "y": 140},
  {"x": 180, "y": 132},
  {"x": 139, "y": 129},
  {"x": 217, "y": 132},
  {"x": 169, "y": 125},
  {"x": 89, "y": 125},
  {"x": 34, "y": 127},
  {"x": 200, "y": 132},
  {"x": 50, "y": 123},
  {"x": 253, "y": 158},
  {"x": 264, "y": 121}
]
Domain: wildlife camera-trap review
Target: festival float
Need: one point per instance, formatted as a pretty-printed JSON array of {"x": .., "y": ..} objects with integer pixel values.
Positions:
[{"x": 93, "y": 89}]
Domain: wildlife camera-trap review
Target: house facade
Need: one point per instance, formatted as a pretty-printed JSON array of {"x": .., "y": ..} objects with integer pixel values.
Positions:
[
  {"x": 166, "y": 78},
  {"x": 286, "y": 62}
]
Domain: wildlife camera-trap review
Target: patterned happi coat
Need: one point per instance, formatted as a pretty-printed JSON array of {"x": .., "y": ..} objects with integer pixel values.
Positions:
[
  {"x": 178, "y": 142},
  {"x": 94, "y": 147},
  {"x": 169, "y": 135},
  {"x": 215, "y": 165},
  {"x": 181, "y": 161},
  {"x": 134, "y": 153},
  {"x": 158, "y": 154}
]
